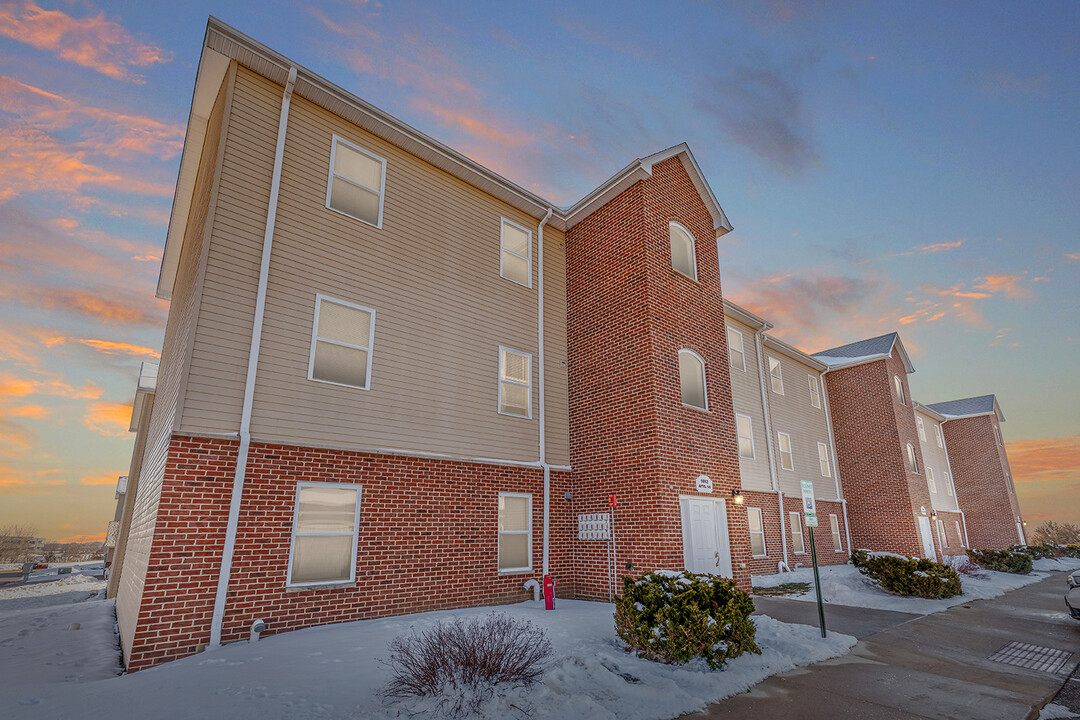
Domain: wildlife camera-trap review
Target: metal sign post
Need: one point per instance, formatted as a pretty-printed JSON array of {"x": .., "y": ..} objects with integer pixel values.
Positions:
[{"x": 810, "y": 513}]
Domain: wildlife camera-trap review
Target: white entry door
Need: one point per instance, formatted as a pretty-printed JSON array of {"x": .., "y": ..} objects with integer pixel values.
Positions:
[
  {"x": 705, "y": 536},
  {"x": 927, "y": 538}
]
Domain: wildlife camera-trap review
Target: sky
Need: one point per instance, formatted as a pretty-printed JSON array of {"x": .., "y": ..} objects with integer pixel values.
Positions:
[{"x": 884, "y": 170}]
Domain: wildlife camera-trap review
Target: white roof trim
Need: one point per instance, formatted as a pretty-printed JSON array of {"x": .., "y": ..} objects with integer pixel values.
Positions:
[
  {"x": 144, "y": 390},
  {"x": 927, "y": 411},
  {"x": 745, "y": 316},
  {"x": 794, "y": 353}
]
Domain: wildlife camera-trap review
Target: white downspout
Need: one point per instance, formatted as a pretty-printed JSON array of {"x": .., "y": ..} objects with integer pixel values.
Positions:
[
  {"x": 835, "y": 464},
  {"x": 769, "y": 440},
  {"x": 952, "y": 478},
  {"x": 253, "y": 363},
  {"x": 540, "y": 387}
]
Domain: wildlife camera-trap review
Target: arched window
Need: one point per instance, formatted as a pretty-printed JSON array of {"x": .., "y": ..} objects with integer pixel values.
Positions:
[
  {"x": 683, "y": 257},
  {"x": 913, "y": 464},
  {"x": 692, "y": 379}
]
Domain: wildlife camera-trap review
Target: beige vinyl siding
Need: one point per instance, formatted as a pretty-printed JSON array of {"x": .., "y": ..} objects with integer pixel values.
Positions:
[
  {"x": 431, "y": 273},
  {"x": 792, "y": 413},
  {"x": 937, "y": 459},
  {"x": 746, "y": 400},
  {"x": 174, "y": 355},
  {"x": 134, "y": 471}
]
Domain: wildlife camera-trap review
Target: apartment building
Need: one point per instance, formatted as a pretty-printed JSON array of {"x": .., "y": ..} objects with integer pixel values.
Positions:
[
  {"x": 982, "y": 477},
  {"x": 946, "y": 515},
  {"x": 784, "y": 438}
]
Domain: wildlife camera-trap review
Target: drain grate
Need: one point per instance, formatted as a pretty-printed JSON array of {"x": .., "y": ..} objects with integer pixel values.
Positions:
[{"x": 1032, "y": 657}]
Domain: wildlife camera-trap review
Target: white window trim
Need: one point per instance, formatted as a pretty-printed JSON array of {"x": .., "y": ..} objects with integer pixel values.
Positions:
[
  {"x": 939, "y": 437},
  {"x": 790, "y": 453},
  {"x": 997, "y": 435},
  {"x": 381, "y": 191},
  {"x": 959, "y": 535},
  {"x": 693, "y": 249},
  {"x": 293, "y": 534},
  {"x": 500, "y": 533},
  {"x": 838, "y": 539},
  {"x": 753, "y": 448},
  {"x": 761, "y": 519},
  {"x": 499, "y": 379},
  {"x": 815, "y": 391},
  {"x": 823, "y": 460},
  {"x": 930, "y": 480},
  {"x": 502, "y": 249},
  {"x": 742, "y": 341},
  {"x": 315, "y": 338},
  {"x": 944, "y": 533},
  {"x": 899, "y": 389},
  {"x": 912, "y": 461},
  {"x": 921, "y": 427},
  {"x": 948, "y": 483},
  {"x": 795, "y": 521},
  {"x": 704, "y": 382},
  {"x": 778, "y": 376}
]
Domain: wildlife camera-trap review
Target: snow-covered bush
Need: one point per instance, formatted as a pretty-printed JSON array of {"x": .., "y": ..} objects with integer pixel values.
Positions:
[
  {"x": 1037, "y": 552},
  {"x": 964, "y": 566},
  {"x": 914, "y": 577},
  {"x": 463, "y": 663},
  {"x": 1002, "y": 560},
  {"x": 1072, "y": 551},
  {"x": 674, "y": 617}
]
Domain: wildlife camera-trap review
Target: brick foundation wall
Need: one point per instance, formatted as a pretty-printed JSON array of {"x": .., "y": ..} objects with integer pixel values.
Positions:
[
  {"x": 774, "y": 549},
  {"x": 979, "y": 466},
  {"x": 628, "y": 315},
  {"x": 954, "y": 544},
  {"x": 428, "y": 540}
]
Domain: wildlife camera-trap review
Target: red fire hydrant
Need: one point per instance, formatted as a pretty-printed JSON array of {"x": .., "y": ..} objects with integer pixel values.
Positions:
[{"x": 549, "y": 592}]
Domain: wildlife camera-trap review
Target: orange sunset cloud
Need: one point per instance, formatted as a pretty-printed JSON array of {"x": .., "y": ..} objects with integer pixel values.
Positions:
[
  {"x": 108, "y": 418},
  {"x": 1047, "y": 476},
  {"x": 99, "y": 479}
]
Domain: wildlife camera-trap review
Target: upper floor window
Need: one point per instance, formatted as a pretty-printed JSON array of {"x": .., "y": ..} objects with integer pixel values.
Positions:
[
  {"x": 776, "y": 376},
  {"x": 326, "y": 521},
  {"x": 683, "y": 256},
  {"x": 515, "y": 383},
  {"x": 948, "y": 483},
  {"x": 921, "y": 427},
  {"x": 930, "y": 479},
  {"x": 357, "y": 179},
  {"x": 515, "y": 257},
  {"x": 939, "y": 437},
  {"x": 815, "y": 391},
  {"x": 692, "y": 379},
  {"x": 735, "y": 349},
  {"x": 899, "y": 389},
  {"x": 823, "y": 459},
  {"x": 341, "y": 342},
  {"x": 913, "y": 464},
  {"x": 745, "y": 430},
  {"x": 787, "y": 458}
]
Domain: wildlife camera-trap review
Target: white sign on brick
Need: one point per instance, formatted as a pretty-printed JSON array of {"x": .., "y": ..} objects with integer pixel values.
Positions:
[
  {"x": 703, "y": 484},
  {"x": 594, "y": 526}
]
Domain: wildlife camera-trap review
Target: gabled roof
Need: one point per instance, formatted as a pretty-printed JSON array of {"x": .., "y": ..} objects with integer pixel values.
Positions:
[
  {"x": 222, "y": 44},
  {"x": 969, "y": 407},
  {"x": 927, "y": 410},
  {"x": 864, "y": 351}
]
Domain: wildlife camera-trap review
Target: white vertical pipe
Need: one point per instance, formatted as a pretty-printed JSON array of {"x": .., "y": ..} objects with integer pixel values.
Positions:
[
  {"x": 769, "y": 440},
  {"x": 540, "y": 387}
]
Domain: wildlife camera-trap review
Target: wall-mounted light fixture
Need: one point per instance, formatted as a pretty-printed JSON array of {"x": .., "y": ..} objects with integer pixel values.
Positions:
[{"x": 737, "y": 496}]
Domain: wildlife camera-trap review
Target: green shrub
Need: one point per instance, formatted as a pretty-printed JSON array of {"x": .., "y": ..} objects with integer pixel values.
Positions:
[
  {"x": 1037, "y": 552},
  {"x": 909, "y": 576},
  {"x": 675, "y": 617},
  {"x": 1072, "y": 551},
  {"x": 1002, "y": 560}
]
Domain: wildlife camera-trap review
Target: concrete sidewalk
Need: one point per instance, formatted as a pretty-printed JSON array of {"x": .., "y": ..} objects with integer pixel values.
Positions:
[{"x": 935, "y": 666}]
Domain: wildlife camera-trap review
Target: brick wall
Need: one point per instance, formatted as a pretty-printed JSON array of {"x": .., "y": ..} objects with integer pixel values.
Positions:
[
  {"x": 979, "y": 466},
  {"x": 428, "y": 540},
  {"x": 954, "y": 541},
  {"x": 774, "y": 549},
  {"x": 628, "y": 315}
]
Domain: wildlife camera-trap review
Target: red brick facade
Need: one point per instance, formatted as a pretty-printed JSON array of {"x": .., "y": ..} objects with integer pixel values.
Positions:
[
  {"x": 981, "y": 477},
  {"x": 428, "y": 540},
  {"x": 828, "y": 552},
  {"x": 628, "y": 316}
]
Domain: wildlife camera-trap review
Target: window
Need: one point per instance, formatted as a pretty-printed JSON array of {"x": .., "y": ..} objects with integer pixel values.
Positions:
[
  {"x": 922, "y": 428},
  {"x": 683, "y": 257},
  {"x": 815, "y": 392},
  {"x": 1012, "y": 488},
  {"x": 834, "y": 525},
  {"x": 341, "y": 340},
  {"x": 948, "y": 483},
  {"x": 355, "y": 186},
  {"x": 823, "y": 459},
  {"x": 326, "y": 521},
  {"x": 899, "y": 388},
  {"x": 515, "y": 256},
  {"x": 776, "y": 376},
  {"x": 930, "y": 479},
  {"x": 515, "y": 383},
  {"x": 913, "y": 464},
  {"x": 515, "y": 532},
  {"x": 959, "y": 536},
  {"x": 787, "y": 460},
  {"x": 735, "y": 349},
  {"x": 757, "y": 532},
  {"x": 940, "y": 438},
  {"x": 745, "y": 430},
  {"x": 997, "y": 434},
  {"x": 692, "y": 379},
  {"x": 796, "y": 532},
  {"x": 944, "y": 535}
]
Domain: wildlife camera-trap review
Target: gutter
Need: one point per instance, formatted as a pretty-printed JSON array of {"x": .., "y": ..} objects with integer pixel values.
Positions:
[
  {"x": 540, "y": 387},
  {"x": 253, "y": 364}
]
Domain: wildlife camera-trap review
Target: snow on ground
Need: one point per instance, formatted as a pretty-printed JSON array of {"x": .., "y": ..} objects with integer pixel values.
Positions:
[
  {"x": 334, "y": 671},
  {"x": 845, "y": 585},
  {"x": 1051, "y": 711}
]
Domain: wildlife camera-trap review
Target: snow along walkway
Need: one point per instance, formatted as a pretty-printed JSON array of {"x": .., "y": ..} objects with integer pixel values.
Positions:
[{"x": 333, "y": 671}]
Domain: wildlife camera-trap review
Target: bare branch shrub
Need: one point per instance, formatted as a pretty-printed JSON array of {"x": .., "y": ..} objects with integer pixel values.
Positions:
[
  {"x": 1056, "y": 533},
  {"x": 963, "y": 565},
  {"x": 17, "y": 543},
  {"x": 462, "y": 663}
]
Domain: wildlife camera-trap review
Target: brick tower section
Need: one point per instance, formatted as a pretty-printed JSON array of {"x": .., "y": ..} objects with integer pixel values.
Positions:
[
  {"x": 628, "y": 316},
  {"x": 872, "y": 429},
  {"x": 981, "y": 478}
]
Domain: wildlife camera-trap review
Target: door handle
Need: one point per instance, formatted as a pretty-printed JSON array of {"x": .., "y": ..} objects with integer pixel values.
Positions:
[{"x": 717, "y": 556}]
